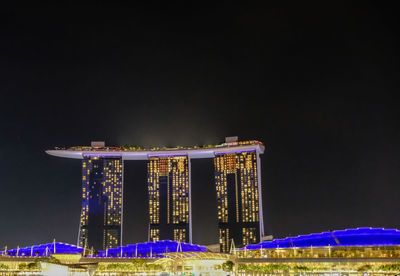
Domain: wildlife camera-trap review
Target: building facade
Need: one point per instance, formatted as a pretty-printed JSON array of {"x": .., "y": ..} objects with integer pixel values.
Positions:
[
  {"x": 238, "y": 190},
  {"x": 101, "y": 214},
  {"x": 168, "y": 179},
  {"x": 237, "y": 179}
]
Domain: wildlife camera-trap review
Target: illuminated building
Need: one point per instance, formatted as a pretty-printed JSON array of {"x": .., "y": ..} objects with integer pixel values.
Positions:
[
  {"x": 43, "y": 250},
  {"x": 359, "y": 251},
  {"x": 101, "y": 214},
  {"x": 168, "y": 179},
  {"x": 169, "y": 198},
  {"x": 330, "y": 243},
  {"x": 156, "y": 249},
  {"x": 238, "y": 198}
]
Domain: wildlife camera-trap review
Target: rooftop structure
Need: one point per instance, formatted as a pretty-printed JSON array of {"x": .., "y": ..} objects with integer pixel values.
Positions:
[{"x": 138, "y": 153}]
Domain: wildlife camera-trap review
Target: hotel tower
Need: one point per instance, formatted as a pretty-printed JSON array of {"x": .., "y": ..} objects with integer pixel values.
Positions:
[
  {"x": 239, "y": 206},
  {"x": 169, "y": 198},
  {"x": 101, "y": 214}
]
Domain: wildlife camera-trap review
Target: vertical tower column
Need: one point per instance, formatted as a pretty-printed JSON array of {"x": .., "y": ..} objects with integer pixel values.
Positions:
[
  {"x": 238, "y": 198},
  {"x": 190, "y": 199},
  {"x": 260, "y": 204},
  {"x": 168, "y": 180},
  {"x": 101, "y": 214}
]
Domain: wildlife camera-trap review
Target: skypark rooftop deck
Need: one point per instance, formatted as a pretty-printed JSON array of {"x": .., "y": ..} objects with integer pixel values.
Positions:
[{"x": 137, "y": 153}]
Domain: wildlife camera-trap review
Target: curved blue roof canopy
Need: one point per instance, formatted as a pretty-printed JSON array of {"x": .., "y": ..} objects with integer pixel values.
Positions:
[
  {"x": 151, "y": 249},
  {"x": 43, "y": 250},
  {"x": 350, "y": 237}
]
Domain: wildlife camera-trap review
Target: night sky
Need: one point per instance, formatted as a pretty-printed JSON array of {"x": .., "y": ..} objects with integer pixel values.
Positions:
[{"x": 316, "y": 82}]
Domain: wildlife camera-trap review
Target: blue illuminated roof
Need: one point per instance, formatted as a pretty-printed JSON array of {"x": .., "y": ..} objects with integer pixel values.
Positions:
[
  {"x": 350, "y": 237},
  {"x": 151, "y": 249},
  {"x": 43, "y": 250}
]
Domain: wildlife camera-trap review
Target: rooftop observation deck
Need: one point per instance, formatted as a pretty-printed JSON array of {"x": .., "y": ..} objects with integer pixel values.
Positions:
[{"x": 138, "y": 153}]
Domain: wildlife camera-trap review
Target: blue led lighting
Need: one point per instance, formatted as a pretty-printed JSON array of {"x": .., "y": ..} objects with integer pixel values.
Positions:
[
  {"x": 151, "y": 249},
  {"x": 365, "y": 236},
  {"x": 43, "y": 250}
]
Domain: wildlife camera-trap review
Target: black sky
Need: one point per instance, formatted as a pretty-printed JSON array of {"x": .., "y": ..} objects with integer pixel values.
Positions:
[{"x": 315, "y": 81}]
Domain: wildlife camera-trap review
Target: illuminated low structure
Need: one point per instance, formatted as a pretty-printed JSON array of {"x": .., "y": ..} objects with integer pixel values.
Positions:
[
  {"x": 43, "y": 250},
  {"x": 149, "y": 257},
  {"x": 330, "y": 243},
  {"x": 156, "y": 249},
  {"x": 351, "y": 251}
]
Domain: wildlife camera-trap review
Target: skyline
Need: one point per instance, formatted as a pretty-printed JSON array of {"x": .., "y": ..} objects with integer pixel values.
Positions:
[
  {"x": 315, "y": 82},
  {"x": 134, "y": 221}
]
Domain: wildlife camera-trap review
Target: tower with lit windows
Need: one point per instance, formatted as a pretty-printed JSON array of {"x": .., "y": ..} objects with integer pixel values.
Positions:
[
  {"x": 168, "y": 179},
  {"x": 237, "y": 179},
  {"x": 238, "y": 190},
  {"x": 101, "y": 214}
]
